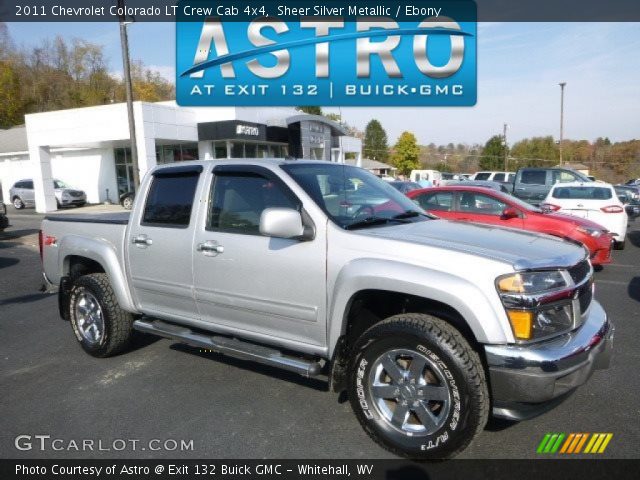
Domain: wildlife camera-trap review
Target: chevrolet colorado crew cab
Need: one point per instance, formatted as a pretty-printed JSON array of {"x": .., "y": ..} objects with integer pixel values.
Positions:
[{"x": 325, "y": 270}]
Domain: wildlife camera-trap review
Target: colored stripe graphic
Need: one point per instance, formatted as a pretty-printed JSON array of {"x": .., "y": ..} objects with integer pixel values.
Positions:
[{"x": 573, "y": 443}]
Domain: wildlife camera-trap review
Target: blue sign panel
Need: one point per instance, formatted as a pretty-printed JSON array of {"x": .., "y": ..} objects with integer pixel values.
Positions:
[{"x": 346, "y": 59}]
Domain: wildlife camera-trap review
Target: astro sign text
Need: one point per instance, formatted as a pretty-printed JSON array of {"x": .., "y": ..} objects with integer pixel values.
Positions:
[{"x": 359, "y": 61}]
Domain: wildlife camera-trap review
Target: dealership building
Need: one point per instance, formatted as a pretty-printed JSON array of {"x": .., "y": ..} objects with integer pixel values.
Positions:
[{"x": 88, "y": 148}]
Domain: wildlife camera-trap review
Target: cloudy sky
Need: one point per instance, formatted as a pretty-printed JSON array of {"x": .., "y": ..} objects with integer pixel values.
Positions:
[{"x": 519, "y": 68}]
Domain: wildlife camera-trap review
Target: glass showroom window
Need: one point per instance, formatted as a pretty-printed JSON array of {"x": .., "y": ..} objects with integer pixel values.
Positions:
[
  {"x": 124, "y": 170},
  {"x": 176, "y": 153}
]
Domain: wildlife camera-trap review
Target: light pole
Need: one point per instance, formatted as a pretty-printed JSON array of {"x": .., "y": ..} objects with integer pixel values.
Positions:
[
  {"x": 504, "y": 139},
  {"x": 562, "y": 85},
  {"x": 124, "y": 40}
]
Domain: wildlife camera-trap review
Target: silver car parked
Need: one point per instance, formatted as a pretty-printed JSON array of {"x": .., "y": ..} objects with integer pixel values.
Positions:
[{"x": 22, "y": 194}]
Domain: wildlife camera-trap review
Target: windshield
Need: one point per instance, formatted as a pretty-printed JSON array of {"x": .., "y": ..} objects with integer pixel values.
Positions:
[
  {"x": 60, "y": 184},
  {"x": 353, "y": 197}
]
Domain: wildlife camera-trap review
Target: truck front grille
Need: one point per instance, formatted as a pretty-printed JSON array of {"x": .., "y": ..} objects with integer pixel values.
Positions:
[{"x": 580, "y": 271}]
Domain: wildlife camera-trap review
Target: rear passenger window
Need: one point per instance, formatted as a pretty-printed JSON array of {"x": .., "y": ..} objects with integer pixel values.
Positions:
[
  {"x": 239, "y": 199},
  {"x": 498, "y": 177},
  {"x": 170, "y": 200},
  {"x": 482, "y": 176},
  {"x": 28, "y": 185},
  {"x": 533, "y": 177}
]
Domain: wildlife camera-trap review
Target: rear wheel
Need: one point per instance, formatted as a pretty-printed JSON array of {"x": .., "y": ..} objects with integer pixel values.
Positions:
[
  {"x": 101, "y": 327},
  {"x": 417, "y": 387},
  {"x": 18, "y": 204}
]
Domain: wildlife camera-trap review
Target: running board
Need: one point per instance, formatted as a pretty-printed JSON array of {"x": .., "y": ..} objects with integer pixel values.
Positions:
[{"x": 229, "y": 346}]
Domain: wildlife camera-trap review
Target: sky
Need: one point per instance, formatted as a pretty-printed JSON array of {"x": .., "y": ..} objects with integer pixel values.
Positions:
[{"x": 519, "y": 68}]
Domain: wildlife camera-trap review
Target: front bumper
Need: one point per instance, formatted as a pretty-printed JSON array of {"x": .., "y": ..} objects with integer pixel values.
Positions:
[{"x": 526, "y": 379}]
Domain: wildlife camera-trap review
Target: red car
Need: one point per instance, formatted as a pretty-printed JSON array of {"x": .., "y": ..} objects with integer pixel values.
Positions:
[{"x": 484, "y": 205}]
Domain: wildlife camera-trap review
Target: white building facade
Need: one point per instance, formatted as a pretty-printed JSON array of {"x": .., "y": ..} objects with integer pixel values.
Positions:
[{"x": 89, "y": 148}]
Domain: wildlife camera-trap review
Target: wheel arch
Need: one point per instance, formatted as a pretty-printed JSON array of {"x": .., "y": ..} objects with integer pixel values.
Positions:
[
  {"x": 456, "y": 300},
  {"x": 81, "y": 255}
]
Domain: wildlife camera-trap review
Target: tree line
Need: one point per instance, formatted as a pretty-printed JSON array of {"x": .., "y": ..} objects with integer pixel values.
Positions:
[
  {"x": 61, "y": 74},
  {"x": 609, "y": 161}
]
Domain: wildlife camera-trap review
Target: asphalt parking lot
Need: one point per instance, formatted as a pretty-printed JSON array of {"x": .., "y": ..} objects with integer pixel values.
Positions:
[{"x": 233, "y": 409}]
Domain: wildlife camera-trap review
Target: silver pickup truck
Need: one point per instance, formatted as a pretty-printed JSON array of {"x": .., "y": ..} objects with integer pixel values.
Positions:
[{"x": 323, "y": 269}]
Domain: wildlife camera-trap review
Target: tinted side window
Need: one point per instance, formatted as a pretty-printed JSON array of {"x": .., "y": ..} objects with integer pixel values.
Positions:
[
  {"x": 533, "y": 177},
  {"x": 19, "y": 185},
  {"x": 170, "y": 200},
  {"x": 498, "y": 177},
  {"x": 482, "y": 176},
  {"x": 28, "y": 185},
  {"x": 478, "y": 203},
  {"x": 239, "y": 199},
  {"x": 440, "y": 201}
]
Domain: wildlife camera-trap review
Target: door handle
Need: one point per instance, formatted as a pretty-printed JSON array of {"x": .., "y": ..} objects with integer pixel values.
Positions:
[
  {"x": 142, "y": 241},
  {"x": 210, "y": 248}
]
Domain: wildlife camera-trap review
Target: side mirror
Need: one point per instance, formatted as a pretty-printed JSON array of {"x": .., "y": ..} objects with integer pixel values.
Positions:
[
  {"x": 509, "y": 213},
  {"x": 281, "y": 223}
]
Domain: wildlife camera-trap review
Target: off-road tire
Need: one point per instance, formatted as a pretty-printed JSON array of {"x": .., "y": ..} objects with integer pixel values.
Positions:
[
  {"x": 442, "y": 343},
  {"x": 118, "y": 323}
]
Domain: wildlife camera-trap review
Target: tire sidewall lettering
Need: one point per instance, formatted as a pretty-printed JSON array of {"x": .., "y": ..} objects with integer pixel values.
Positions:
[{"x": 440, "y": 437}]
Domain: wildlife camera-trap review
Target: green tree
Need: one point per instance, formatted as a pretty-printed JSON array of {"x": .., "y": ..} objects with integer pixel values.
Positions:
[
  {"x": 311, "y": 110},
  {"x": 375, "y": 142},
  {"x": 405, "y": 153},
  {"x": 536, "y": 152},
  {"x": 10, "y": 101},
  {"x": 493, "y": 154}
]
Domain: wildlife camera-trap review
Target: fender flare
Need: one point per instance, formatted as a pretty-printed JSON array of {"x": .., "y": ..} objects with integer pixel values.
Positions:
[
  {"x": 104, "y": 254},
  {"x": 485, "y": 316}
]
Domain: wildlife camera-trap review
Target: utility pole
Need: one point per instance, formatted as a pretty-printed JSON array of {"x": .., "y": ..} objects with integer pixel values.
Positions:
[
  {"x": 124, "y": 40},
  {"x": 562, "y": 85},
  {"x": 504, "y": 139}
]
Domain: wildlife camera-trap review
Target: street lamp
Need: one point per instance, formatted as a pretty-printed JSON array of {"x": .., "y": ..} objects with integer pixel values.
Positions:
[
  {"x": 504, "y": 141},
  {"x": 562, "y": 85}
]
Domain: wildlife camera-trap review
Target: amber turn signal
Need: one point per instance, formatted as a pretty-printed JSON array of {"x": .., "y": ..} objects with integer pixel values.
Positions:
[{"x": 521, "y": 324}]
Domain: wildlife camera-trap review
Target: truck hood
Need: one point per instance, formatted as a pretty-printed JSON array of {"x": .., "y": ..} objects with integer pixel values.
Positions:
[{"x": 523, "y": 250}]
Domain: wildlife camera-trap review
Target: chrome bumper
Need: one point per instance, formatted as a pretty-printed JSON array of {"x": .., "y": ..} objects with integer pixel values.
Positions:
[{"x": 525, "y": 378}]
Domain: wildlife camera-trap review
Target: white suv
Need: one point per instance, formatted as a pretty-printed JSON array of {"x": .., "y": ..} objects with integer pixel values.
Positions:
[{"x": 596, "y": 201}]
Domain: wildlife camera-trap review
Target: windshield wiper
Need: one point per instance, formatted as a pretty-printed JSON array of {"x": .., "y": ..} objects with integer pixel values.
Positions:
[
  {"x": 408, "y": 214},
  {"x": 370, "y": 221}
]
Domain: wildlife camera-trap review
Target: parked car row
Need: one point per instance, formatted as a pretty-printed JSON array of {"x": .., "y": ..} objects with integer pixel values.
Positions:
[{"x": 492, "y": 207}]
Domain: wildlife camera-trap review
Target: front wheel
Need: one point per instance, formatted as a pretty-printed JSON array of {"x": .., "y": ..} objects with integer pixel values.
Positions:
[
  {"x": 18, "y": 204},
  {"x": 101, "y": 327},
  {"x": 619, "y": 245},
  {"x": 417, "y": 387}
]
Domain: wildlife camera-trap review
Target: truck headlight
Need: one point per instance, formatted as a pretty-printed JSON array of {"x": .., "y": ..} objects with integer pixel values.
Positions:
[
  {"x": 531, "y": 282},
  {"x": 529, "y": 317}
]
